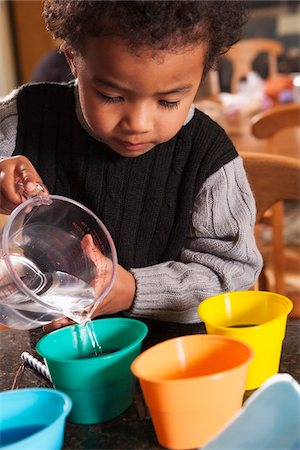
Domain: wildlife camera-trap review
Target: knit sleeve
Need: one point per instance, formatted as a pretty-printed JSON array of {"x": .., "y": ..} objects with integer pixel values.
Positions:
[
  {"x": 8, "y": 124},
  {"x": 220, "y": 253}
]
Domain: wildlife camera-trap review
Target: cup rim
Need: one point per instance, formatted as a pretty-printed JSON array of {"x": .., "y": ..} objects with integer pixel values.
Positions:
[
  {"x": 193, "y": 379},
  {"x": 54, "y": 393},
  {"x": 282, "y": 298},
  {"x": 104, "y": 356}
]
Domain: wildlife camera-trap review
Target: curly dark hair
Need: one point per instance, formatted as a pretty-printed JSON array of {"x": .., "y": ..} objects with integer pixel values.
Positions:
[{"x": 156, "y": 25}]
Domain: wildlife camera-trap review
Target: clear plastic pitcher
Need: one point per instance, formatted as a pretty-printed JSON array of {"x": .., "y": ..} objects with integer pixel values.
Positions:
[{"x": 56, "y": 259}]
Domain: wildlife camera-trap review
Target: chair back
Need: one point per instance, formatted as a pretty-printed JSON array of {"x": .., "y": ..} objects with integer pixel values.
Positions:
[
  {"x": 273, "y": 179},
  {"x": 266, "y": 124},
  {"x": 243, "y": 53},
  {"x": 269, "y": 125}
]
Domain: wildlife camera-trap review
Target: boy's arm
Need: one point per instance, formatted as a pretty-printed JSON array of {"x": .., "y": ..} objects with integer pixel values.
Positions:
[
  {"x": 220, "y": 255},
  {"x": 220, "y": 252},
  {"x": 8, "y": 124},
  {"x": 18, "y": 178}
]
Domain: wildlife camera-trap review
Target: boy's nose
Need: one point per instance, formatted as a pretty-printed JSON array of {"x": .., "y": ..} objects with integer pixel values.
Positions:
[{"x": 137, "y": 119}]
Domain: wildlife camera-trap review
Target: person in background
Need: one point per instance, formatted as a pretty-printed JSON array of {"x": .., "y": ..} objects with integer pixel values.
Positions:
[
  {"x": 52, "y": 66},
  {"x": 125, "y": 140}
]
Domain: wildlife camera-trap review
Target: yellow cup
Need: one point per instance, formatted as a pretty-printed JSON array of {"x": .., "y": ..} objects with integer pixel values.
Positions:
[
  {"x": 256, "y": 317},
  {"x": 192, "y": 385}
]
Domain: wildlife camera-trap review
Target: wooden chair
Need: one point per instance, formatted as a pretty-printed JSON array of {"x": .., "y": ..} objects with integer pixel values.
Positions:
[
  {"x": 268, "y": 125},
  {"x": 243, "y": 53},
  {"x": 273, "y": 179}
]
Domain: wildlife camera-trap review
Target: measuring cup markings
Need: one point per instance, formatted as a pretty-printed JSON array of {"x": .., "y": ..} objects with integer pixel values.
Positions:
[{"x": 78, "y": 228}]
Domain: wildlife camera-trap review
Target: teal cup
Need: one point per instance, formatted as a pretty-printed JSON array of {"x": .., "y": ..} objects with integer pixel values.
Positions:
[{"x": 101, "y": 387}]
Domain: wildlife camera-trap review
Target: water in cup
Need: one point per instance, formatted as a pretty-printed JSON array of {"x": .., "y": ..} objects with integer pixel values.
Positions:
[
  {"x": 56, "y": 259},
  {"x": 58, "y": 289}
]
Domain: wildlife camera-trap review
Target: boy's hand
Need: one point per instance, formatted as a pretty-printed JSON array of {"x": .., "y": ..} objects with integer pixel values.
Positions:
[
  {"x": 121, "y": 295},
  {"x": 18, "y": 181}
]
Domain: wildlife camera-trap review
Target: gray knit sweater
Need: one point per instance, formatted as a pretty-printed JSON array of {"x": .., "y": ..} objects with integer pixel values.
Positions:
[{"x": 219, "y": 254}]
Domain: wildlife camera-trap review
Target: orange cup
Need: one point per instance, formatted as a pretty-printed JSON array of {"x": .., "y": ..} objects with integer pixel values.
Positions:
[{"x": 192, "y": 386}]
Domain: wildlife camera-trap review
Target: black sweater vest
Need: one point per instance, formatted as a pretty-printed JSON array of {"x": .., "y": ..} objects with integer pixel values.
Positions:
[{"x": 145, "y": 202}]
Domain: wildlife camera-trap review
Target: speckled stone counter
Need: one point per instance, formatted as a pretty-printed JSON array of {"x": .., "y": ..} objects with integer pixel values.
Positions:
[{"x": 132, "y": 429}]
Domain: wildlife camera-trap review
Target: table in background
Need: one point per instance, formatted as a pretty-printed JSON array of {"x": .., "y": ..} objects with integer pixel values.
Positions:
[
  {"x": 238, "y": 128},
  {"x": 133, "y": 429}
]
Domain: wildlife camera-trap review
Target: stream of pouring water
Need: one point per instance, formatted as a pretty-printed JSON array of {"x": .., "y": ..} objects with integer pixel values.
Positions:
[
  {"x": 59, "y": 291},
  {"x": 95, "y": 343},
  {"x": 84, "y": 319}
]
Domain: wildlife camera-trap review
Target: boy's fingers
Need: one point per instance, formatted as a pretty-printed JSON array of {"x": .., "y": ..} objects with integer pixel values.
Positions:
[
  {"x": 26, "y": 173},
  {"x": 28, "y": 190},
  {"x": 60, "y": 323},
  {"x": 9, "y": 198},
  {"x": 18, "y": 181},
  {"x": 28, "y": 181}
]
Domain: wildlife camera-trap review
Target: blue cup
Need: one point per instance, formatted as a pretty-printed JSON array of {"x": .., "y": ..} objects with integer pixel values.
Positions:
[{"x": 33, "y": 418}]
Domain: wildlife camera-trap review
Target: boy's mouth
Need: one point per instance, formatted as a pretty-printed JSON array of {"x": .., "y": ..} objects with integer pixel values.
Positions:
[{"x": 136, "y": 146}]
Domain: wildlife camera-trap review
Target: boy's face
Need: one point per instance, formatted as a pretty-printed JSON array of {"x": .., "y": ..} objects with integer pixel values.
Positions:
[{"x": 132, "y": 103}]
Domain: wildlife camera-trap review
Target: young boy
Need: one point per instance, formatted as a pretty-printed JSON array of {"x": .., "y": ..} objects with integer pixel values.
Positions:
[{"x": 126, "y": 141}]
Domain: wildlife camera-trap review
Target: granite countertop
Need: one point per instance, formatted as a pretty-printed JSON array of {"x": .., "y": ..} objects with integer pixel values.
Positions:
[{"x": 133, "y": 429}]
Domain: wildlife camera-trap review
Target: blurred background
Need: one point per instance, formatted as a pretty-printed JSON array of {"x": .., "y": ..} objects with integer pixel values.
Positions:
[
  {"x": 24, "y": 40},
  {"x": 266, "y": 67}
]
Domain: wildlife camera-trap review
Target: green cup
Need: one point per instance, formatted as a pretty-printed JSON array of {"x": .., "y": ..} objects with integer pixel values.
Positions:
[{"x": 101, "y": 387}]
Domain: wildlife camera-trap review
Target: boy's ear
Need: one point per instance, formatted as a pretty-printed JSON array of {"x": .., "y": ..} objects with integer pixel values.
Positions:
[{"x": 70, "y": 57}]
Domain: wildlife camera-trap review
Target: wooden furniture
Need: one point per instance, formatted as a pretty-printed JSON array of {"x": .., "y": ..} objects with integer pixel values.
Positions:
[
  {"x": 268, "y": 125},
  {"x": 273, "y": 179},
  {"x": 241, "y": 57},
  {"x": 31, "y": 39},
  {"x": 243, "y": 53},
  {"x": 238, "y": 128}
]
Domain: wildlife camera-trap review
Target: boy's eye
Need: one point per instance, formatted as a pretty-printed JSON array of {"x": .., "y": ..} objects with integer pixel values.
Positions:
[
  {"x": 108, "y": 99},
  {"x": 169, "y": 105}
]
